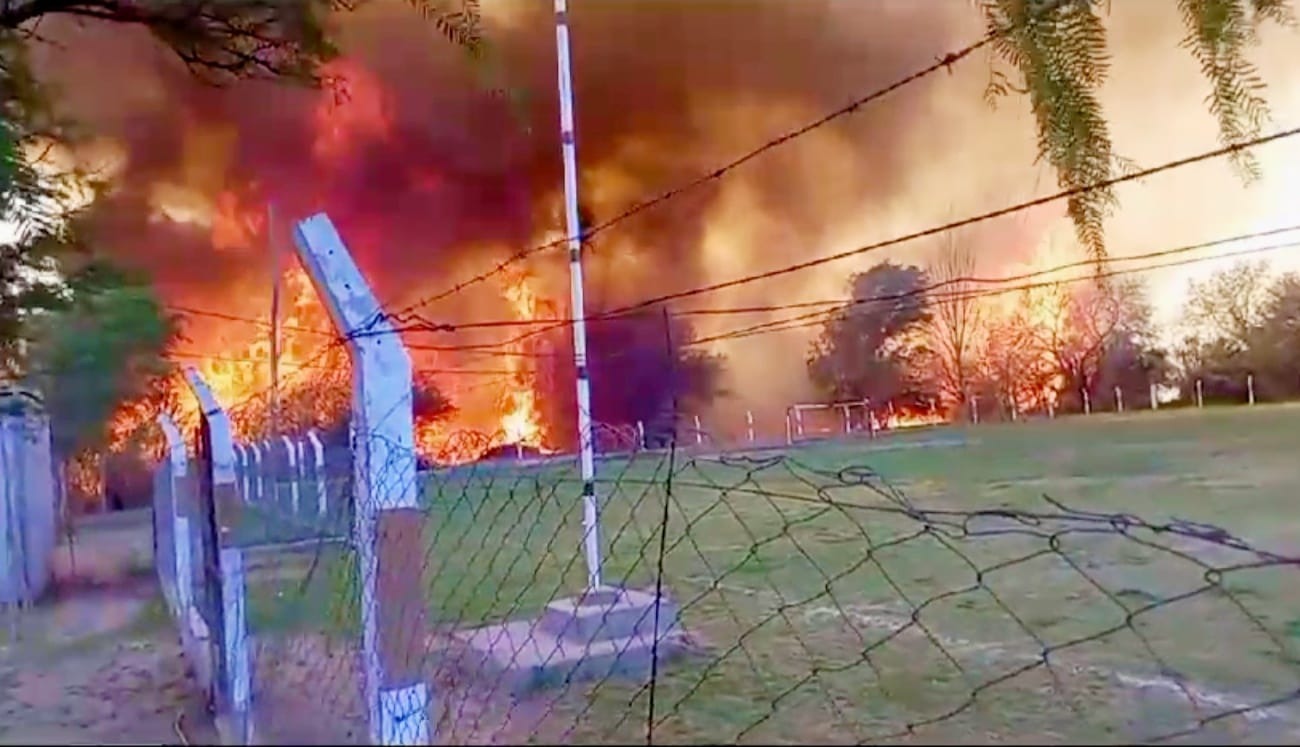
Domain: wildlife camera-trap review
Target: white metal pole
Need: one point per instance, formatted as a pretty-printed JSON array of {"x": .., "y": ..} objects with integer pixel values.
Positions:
[{"x": 569, "y": 147}]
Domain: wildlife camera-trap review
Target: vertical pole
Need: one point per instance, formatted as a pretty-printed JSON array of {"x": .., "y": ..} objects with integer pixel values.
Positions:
[
  {"x": 1119, "y": 400},
  {"x": 798, "y": 420},
  {"x": 1250, "y": 388},
  {"x": 389, "y": 525},
  {"x": 640, "y": 434},
  {"x": 789, "y": 430},
  {"x": 975, "y": 409},
  {"x": 269, "y": 489},
  {"x": 254, "y": 476},
  {"x": 1200, "y": 395},
  {"x": 290, "y": 455},
  {"x": 275, "y": 320},
  {"x": 1087, "y": 402},
  {"x": 235, "y": 627},
  {"x": 1051, "y": 409},
  {"x": 318, "y": 459},
  {"x": 1155, "y": 403},
  {"x": 699, "y": 431},
  {"x": 848, "y": 421},
  {"x": 749, "y": 424},
  {"x": 568, "y": 145}
]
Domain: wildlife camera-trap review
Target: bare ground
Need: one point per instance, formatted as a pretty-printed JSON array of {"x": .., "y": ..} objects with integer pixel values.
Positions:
[{"x": 96, "y": 661}]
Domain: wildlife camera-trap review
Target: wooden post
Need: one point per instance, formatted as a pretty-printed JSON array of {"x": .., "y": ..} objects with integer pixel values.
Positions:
[
  {"x": 1250, "y": 389},
  {"x": 389, "y": 525}
]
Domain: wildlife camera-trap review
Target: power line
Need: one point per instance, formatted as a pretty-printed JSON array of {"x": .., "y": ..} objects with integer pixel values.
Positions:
[{"x": 943, "y": 62}]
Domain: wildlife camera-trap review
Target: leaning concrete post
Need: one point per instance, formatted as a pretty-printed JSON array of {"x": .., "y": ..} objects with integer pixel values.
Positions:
[
  {"x": 226, "y": 506},
  {"x": 388, "y": 523}
]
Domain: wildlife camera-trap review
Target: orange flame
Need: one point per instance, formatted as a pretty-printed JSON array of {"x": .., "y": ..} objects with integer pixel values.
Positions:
[{"x": 521, "y": 423}]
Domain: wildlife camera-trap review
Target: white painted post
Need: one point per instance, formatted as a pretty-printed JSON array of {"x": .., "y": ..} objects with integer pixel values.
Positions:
[
  {"x": 1087, "y": 402},
  {"x": 318, "y": 457},
  {"x": 789, "y": 430},
  {"x": 291, "y": 455},
  {"x": 699, "y": 432},
  {"x": 177, "y": 460},
  {"x": 1119, "y": 400},
  {"x": 255, "y": 474},
  {"x": 1250, "y": 388},
  {"x": 241, "y": 469},
  {"x": 975, "y": 409},
  {"x": 388, "y": 524},
  {"x": 270, "y": 489},
  {"x": 848, "y": 421},
  {"x": 1200, "y": 395},
  {"x": 238, "y": 660},
  {"x": 1051, "y": 409},
  {"x": 640, "y": 434},
  {"x": 226, "y": 502},
  {"x": 1155, "y": 404},
  {"x": 798, "y": 420},
  {"x": 749, "y": 424}
]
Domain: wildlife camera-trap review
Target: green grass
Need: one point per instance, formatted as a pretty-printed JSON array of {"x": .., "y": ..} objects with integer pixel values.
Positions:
[{"x": 796, "y": 582}]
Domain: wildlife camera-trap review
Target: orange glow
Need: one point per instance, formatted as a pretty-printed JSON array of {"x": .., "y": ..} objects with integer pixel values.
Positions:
[{"x": 521, "y": 423}]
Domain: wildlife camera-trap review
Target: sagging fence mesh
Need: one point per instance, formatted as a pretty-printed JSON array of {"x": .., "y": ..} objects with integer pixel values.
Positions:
[{"x": 786, "y": 597}]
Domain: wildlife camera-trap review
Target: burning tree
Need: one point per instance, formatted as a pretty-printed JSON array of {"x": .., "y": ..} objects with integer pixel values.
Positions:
[
  {"x": 642, "y": 370},
  {"x": 956, "y": 324},
  {"x": 872, "y": 348}
]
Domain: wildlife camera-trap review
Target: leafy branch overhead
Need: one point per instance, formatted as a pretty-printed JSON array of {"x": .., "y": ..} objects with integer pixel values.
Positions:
[{"x": 1059, "y": 51}]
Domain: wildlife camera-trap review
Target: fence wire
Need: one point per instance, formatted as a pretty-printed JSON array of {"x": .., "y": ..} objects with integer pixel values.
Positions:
[{"x": 790, "y": 597}]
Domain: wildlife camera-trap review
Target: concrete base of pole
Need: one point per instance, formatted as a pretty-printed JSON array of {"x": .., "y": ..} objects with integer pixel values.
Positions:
[{"x": 607, "y": 633}]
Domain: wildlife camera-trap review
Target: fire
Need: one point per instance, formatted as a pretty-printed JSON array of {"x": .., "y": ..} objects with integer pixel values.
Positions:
[
  {"x": 521, "y": 423},
  {"x": 354, "y": 109}
]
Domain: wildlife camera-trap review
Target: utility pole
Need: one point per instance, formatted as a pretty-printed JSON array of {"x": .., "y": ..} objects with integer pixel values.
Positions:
[
  {"x": 586, "y": 446},
  {"x": 274, "y": 246}
]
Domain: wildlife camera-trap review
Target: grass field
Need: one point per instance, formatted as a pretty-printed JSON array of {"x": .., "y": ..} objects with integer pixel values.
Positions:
[{"x": 880, "y": 590}]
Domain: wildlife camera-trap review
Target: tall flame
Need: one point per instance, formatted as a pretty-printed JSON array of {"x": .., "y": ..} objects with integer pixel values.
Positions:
[{"x": 521, "y": 423}]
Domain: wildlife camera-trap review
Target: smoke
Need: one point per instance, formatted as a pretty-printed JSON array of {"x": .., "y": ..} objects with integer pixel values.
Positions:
[{"x": 431, "y": 177}]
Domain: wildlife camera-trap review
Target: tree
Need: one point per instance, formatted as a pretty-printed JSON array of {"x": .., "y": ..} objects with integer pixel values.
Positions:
[
  {"x": 1058, "y": 51},
  {"x": 105, "y": 346},
  {"x": 1088, "y": 323},
  {"x": 1015, "y": 368},
  {"x": 956, "y": 319},
  {"x": 871, "y": 348},
  {"x": 1228, "y": 306},
  {"x": 640, "y": 371}
]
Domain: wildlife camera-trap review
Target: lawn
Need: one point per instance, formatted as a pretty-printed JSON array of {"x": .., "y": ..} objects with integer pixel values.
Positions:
[{"x": 919, "y": 587}]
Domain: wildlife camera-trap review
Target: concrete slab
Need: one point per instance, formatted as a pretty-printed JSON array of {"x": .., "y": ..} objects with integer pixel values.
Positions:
[{"x": 609, "y": 633}]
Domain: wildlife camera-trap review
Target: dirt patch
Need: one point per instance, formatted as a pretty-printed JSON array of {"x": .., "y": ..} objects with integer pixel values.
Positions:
[{"x": 309, "y": 690}]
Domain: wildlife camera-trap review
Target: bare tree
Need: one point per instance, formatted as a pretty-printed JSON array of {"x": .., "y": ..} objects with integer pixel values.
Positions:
[
  {"x": 1085, "y": 321},
  {"x": 1227, "y": 308},
  {"x": 1014, "y": 363},
  {"x": 957, "y": 318}
]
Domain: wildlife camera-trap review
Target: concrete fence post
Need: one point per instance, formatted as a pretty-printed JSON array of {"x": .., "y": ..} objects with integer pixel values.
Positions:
[
  {"x": 241, "y": 468},
  {"x": 318, "y": 462},
  {"x": 270, "y": 488},
  {"x": 254, "y": 488},
  {"x": 1087, "y": 402},
  {"x": 389, "y": 525},
  {"x": 1200, "y": 394},
  {"x": 1119, "y": 400},
  {"x": 180, "y": 595},
  {"x": 291, "y": 458},
  {"x": 1155, "y": 403},
  {"x": 1250, "y": 389},
  {"x": 749, "y": 424},
  {"x": 640, "y": 434},
  {"x": 699, "y": 431},
  {"x": 226, "y": 505}
]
